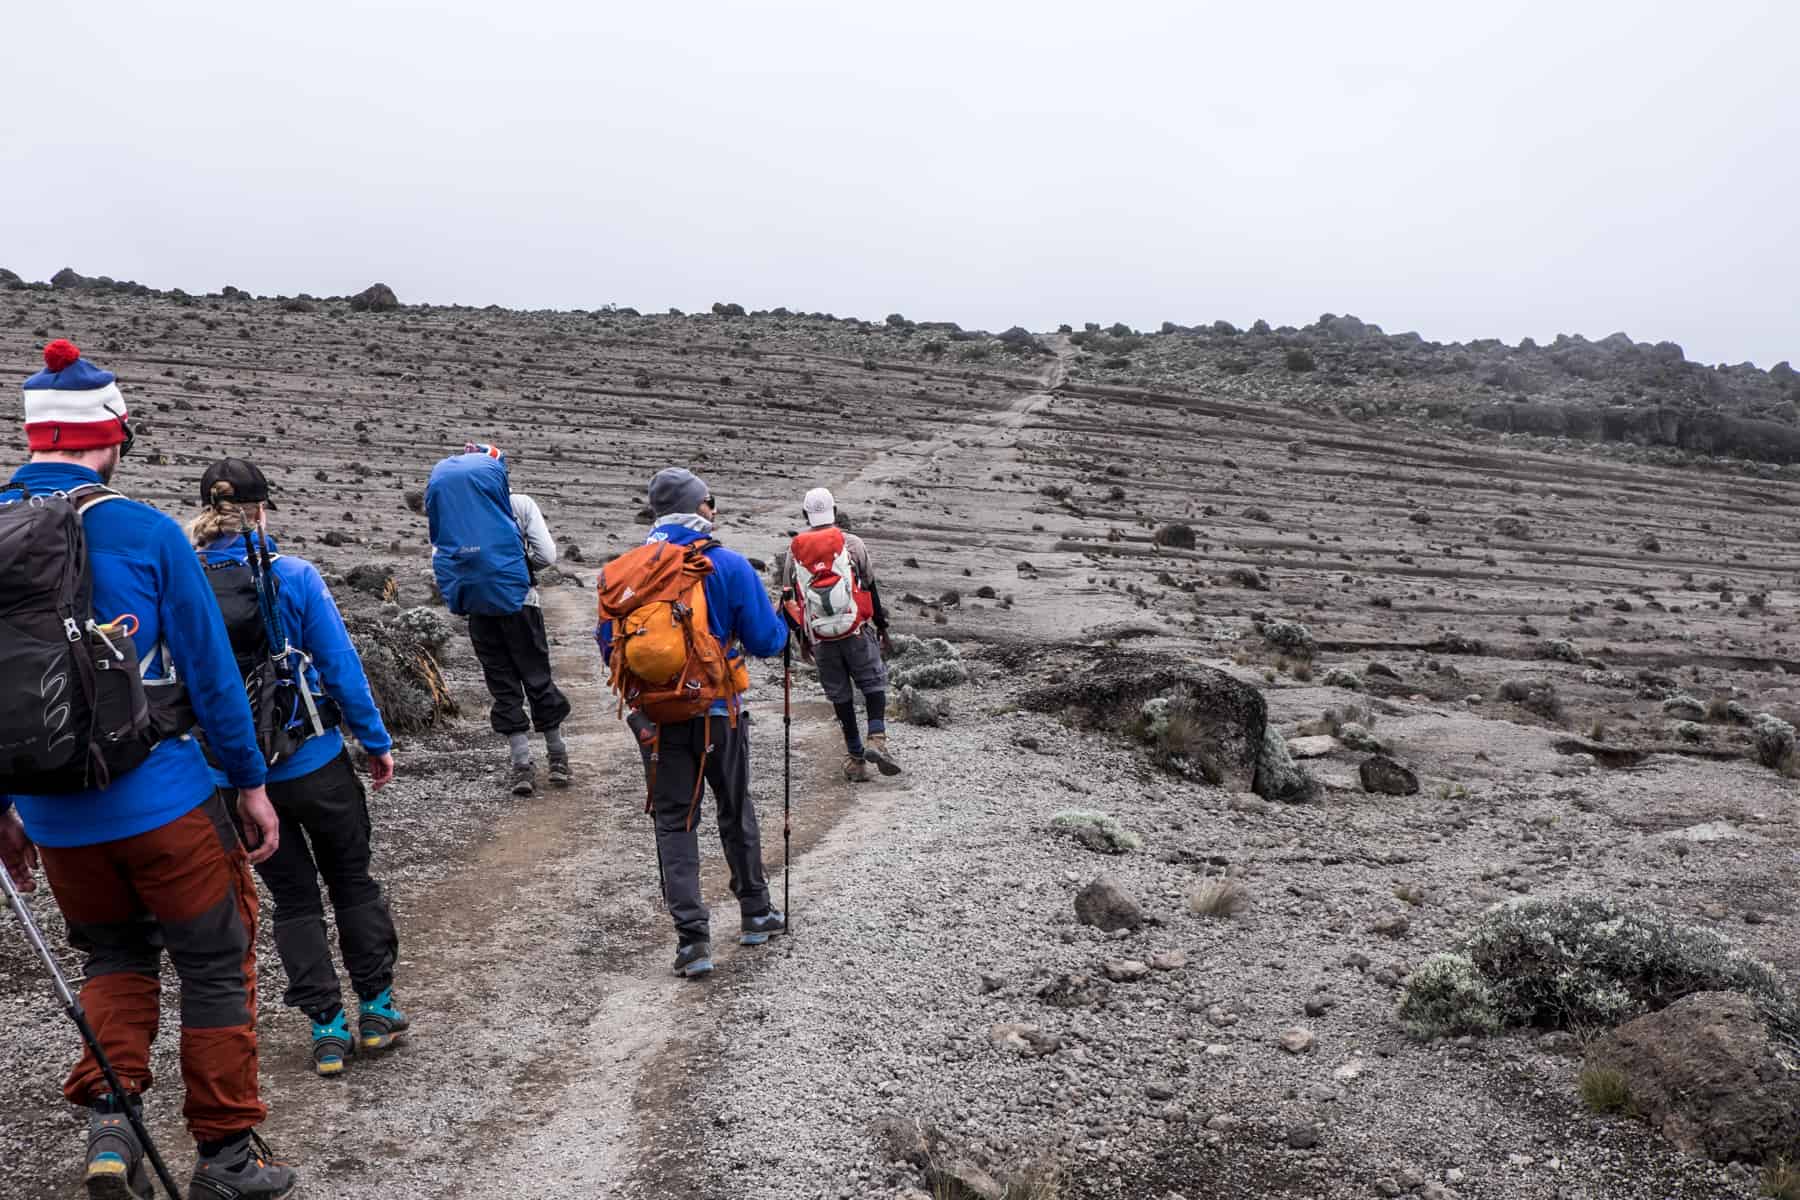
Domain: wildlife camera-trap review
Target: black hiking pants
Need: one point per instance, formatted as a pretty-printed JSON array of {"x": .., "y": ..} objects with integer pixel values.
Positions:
[
  {"x": 515, "y": 659},
  {"x": 325, "y": 834},
  {"x": 677, "y": 809}
]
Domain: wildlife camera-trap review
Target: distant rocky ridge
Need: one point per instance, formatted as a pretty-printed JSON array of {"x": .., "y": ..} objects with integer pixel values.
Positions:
[
  {"x": 1611, "y": 390},
  {"x": 1615, "y": 390},
  {"x": 377, "y": 297}
]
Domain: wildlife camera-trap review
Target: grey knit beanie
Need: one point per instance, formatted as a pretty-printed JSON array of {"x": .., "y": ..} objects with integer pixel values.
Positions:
[{"x": 677, "y": 490}]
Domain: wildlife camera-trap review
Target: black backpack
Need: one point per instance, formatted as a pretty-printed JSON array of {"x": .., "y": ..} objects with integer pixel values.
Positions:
[
  {"x": 272, "y": 682},
  {"x": 75, "y": 712}
]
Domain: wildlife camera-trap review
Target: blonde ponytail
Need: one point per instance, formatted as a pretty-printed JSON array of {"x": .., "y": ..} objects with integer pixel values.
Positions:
[{"x": 221, "y": 518}]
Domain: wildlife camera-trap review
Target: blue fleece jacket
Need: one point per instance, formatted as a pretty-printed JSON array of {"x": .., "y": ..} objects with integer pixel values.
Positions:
[
  {"x": 310, "y": 618},
  {"x": 142, "y": 564},
  {"x": 737, "y": 606}
]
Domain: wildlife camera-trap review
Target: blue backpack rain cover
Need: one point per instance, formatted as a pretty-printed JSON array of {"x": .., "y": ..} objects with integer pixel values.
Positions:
[{"x": 478, "y": 553}]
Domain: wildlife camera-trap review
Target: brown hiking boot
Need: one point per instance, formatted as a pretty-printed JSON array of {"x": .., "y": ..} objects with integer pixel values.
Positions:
[
  {"x": 855, "y": 769},
  {"x": 875, "y": 751}
]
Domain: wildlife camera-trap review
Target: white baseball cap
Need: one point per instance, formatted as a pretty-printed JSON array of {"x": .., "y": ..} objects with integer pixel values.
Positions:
[{"x": 820, "y": 507}]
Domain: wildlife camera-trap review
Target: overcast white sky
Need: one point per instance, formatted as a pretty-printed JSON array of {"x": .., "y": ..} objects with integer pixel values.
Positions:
[{"x": 1463, "y": 169}]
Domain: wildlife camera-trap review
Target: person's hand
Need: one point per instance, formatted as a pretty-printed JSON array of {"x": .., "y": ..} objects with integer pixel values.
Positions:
[
  {"x": 887, "y": 643},
  {"x": 262, "y": 829},
  {"x": 381, "y": 770},
  {"x": 17, "y": 853}
]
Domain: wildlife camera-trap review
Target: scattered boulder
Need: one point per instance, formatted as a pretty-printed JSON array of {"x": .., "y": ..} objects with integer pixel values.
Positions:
[
  {"x": 1707, "y": 1073},
  {"x": 1278, "y": 776},
  {"x": 1316, "y": 746},
  {"x": 1299, "y": 1040},
  {"x": 1026, "y": 1040},
  {"x": 1178, "y": 536},
  {"x": 1248, "y": 577},
  {"x": 1512, "y": 527},
  {"x": 377, "y": 297},
  {"x": 1533, "y": 695},
  {"x": 1205, "y": 717},
  {"x": 414, "y": 499},
  {"x": 1561, "y": 650},
  {"x": 1105, "y": 905},
  {"x": 1389, "y": 777},
  {"x": 1125, "y": 970},
  {"x": 920, "y": 708},
  {"x": 372, "y": 579}
]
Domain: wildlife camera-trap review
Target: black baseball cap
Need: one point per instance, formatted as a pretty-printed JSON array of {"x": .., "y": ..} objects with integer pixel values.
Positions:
[{"x": 248, "y": 484}]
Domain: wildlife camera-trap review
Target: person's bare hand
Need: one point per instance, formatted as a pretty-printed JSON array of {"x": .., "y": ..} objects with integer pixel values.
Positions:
[
  {"x": 381, "y": 770},
  {"x": 887, "y": 644},
  {"x": 262, "y": 829},
  {"x": 17, "y": 853}
]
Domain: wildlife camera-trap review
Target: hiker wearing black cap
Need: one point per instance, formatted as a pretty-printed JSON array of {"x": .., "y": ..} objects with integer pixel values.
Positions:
[
  {"x": 139, "y": 847},
  {"x": 488, "y": 543},
  {"x": 306, "y": 682},
  {"x": 838, "y": 613},
  {"x": 702, "y": 740}
]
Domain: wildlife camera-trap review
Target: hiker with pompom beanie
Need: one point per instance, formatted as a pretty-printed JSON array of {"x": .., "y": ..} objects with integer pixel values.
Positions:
[
  {"x": 141, "y": 852},
  {"x": 834, "y": 605}
]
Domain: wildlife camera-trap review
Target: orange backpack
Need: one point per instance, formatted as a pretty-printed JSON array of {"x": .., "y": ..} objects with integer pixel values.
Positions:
[{"x": 665, "y": 662}]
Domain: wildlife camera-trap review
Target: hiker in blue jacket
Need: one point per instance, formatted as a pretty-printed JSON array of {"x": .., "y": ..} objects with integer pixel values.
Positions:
[
  {"x": 745, "y": 622},
  {"x": 151, "y": 862},
  {"x": 324, "y": 813}
]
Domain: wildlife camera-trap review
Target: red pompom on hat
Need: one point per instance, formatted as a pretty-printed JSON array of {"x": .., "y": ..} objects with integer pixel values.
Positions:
[
  {"x": 71, "y": 404},
  {"x": 60, "y": 353}
]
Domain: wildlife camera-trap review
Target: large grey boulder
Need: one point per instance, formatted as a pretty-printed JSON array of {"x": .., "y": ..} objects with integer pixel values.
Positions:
[{"x": 1708, "y": 1074}]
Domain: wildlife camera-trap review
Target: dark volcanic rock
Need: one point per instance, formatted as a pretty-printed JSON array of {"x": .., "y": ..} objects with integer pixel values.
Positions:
[
  {"x": 1707, "y": 1073},
  {"x": 1379, "y": 773},
  {"x": 377, "y": 297},
  {"x": 1105, "y": 905}
]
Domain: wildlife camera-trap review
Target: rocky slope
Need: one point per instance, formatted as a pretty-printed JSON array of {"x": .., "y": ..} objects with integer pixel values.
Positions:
[{"x": 1563, "y": 651}]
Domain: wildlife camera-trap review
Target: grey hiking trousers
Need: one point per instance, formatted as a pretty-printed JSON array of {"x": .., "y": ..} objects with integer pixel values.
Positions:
[{"x": 677, "y": 811}]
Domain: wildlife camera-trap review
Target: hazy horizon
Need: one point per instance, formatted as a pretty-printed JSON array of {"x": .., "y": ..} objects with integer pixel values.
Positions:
[{"x": 1518, "y": 171}]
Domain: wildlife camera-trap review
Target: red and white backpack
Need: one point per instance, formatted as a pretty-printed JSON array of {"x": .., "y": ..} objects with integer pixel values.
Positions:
[{"x": 836, "y": 603}]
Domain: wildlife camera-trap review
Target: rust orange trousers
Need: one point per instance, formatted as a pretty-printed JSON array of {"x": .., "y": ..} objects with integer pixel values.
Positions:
[{"x": 186, "y": 889}]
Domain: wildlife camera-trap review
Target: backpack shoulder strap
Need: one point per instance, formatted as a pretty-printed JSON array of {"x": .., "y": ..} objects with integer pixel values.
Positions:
[{"x": 90, "y": 494}]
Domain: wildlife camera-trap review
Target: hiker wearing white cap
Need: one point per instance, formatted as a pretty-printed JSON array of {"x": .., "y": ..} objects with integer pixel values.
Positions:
[{"x": 836, "y": 608}]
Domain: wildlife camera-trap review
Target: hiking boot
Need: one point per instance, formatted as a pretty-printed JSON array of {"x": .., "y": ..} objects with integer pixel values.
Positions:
[
  {"x": 331, "y": 1044},
  {"x": 760, "y": 929},
  {"x": 875, "y": 751},
  {"x": 524, "y": 777},
  {"x": 559, "y": 769},
  {"x": 693, "y": 959},
  {"x": 116, "y": 1168},
  {"x": 244, "y": 1170},
  {"x": 379, "y": 1022},
  {"x": 856, "y": 770}
]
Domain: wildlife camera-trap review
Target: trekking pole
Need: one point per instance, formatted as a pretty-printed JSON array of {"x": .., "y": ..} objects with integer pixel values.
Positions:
[
  {"x": 72, "y": 1005},
  {"x": 787, "y": 779}
]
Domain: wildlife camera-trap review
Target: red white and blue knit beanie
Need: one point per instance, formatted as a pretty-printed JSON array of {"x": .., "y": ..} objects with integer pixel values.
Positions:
[{"x": 72, "y": 404}]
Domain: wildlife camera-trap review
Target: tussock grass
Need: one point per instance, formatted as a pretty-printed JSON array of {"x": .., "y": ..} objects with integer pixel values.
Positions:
[
  {"x": 1604, "y": 1090},
  {"x": 1219, "y": 898}
]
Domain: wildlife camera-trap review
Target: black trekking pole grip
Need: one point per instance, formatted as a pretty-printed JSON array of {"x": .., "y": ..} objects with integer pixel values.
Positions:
[{"x": 72, "y": 1006}]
